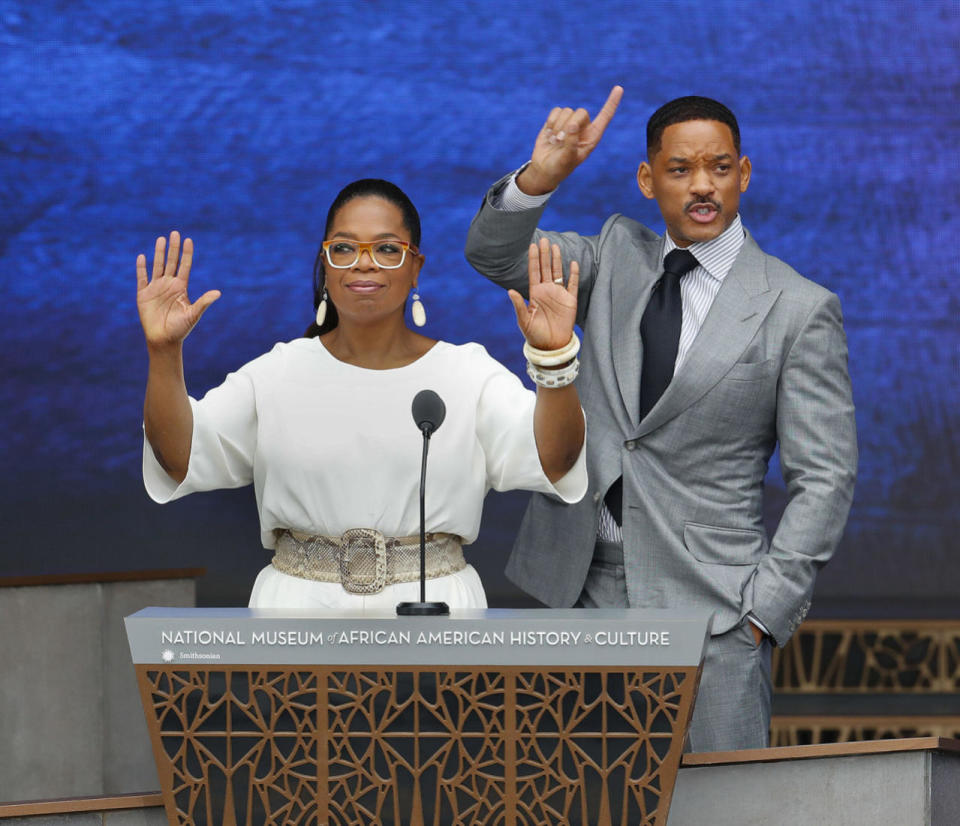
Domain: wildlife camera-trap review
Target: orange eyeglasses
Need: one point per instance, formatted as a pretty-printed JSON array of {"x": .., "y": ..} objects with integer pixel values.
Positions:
[{"x": 388, "y": 254}]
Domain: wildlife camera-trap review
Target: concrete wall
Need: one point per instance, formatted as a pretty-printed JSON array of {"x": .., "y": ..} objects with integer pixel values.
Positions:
[{"x": 71, "y": 722}]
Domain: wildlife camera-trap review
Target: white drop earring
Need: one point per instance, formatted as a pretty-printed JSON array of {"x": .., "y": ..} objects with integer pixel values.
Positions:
[
  {"x": 417, "y": 311},
  {"x": 322, "y": 308}
]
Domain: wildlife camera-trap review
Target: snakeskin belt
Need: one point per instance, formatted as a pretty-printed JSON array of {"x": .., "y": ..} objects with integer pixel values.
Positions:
[{"x": 363, "y": 560}]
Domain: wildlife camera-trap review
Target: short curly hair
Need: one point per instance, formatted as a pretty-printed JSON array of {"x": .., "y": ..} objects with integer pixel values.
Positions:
[{"x": 690, "y": 107}]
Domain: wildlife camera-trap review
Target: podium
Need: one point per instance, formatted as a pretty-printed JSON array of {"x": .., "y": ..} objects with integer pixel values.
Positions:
[{"x": 483, "y": 717}]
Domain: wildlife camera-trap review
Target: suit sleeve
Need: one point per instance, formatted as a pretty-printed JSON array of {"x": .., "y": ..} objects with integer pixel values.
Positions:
[
  {"x": 818, "y": 456},
  {"x": 497, "y": 246}
]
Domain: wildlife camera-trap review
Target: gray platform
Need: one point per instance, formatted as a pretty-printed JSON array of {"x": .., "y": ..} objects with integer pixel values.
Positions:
[{"x": 882, "y": 783}]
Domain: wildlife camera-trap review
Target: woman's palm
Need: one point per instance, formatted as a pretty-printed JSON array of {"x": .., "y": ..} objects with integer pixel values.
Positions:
[{"x": 166, "y": 313}]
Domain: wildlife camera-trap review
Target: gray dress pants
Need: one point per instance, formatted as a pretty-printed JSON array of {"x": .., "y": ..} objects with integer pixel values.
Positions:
[{"x": 732, "y": 709}]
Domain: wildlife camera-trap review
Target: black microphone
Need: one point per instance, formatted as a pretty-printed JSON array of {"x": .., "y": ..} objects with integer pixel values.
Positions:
[{"x": 429, "y": 412}]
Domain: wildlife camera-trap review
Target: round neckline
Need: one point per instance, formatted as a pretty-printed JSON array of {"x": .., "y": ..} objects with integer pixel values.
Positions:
[{"x": 385, "y": 370}]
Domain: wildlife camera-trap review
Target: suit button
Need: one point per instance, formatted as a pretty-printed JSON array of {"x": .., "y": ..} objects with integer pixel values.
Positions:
[
  {"x": 630, "y": 444},
  {"x": 596, "y": 497}
]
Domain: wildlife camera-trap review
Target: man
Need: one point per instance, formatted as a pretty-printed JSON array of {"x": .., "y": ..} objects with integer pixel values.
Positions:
[{"x": 689, "y": 378}]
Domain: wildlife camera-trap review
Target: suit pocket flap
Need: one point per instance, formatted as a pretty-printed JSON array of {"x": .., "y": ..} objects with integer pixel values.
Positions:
[
  {"x": 751, "y": 371},
  {"x": 724, "y": 546}
]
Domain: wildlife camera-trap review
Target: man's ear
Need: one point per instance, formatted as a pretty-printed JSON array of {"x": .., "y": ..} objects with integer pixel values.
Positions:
[
  {"x": 645, "y": 179},
  {"x": 745, "y": 168}
]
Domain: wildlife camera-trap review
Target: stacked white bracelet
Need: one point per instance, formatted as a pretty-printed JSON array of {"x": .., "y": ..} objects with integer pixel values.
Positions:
[
  {"x": 566, "y": 356},
  {"x": 554, "y": 378},
  {"x": 551, "y": 358}
]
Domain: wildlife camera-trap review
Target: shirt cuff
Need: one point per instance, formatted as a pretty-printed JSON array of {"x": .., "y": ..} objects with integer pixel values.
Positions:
[
  {"x": 511, "y": 199},
  {"x": 754, "y": 621}
]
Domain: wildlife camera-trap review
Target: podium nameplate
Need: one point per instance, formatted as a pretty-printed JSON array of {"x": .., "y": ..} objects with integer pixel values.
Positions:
[{"x": 492, "y": 637}]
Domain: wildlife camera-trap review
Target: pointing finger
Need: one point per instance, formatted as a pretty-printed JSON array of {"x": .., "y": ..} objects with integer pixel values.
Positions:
[{"x": 606, "y": 113}]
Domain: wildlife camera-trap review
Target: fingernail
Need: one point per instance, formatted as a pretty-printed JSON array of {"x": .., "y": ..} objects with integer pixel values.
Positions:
[{"x": 561, "y": 135}]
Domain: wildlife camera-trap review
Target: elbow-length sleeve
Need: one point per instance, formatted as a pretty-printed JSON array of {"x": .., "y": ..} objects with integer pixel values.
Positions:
[
  {"x": 222, "y": 445},
  {"x": 505, "y": 430}
]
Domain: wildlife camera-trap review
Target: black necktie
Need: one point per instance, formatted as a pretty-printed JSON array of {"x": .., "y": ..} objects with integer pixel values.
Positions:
[
  {"x": 660, "y": 329},
  {"x": 660, "y": 334}
]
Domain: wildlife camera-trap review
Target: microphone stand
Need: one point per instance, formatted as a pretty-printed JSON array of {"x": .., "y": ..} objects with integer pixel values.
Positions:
[{"x": 424, "y": 608}]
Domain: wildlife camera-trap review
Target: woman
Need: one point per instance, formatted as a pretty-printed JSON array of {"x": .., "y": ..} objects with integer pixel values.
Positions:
[{"x": 322, "y": 426}]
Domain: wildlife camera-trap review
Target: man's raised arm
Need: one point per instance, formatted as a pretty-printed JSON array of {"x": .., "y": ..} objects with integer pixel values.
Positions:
[{"x": 506, "y": 223}]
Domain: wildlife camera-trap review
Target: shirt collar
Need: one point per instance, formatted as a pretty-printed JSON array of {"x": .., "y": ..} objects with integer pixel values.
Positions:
[{"x": 716, "y": 256}]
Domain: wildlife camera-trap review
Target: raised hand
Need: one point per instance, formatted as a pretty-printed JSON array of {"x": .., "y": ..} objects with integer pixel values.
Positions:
[
  {"x": 564, "y": 142},
  {"x": 166, "y": 313},
  {"x": 547, "y": 322}
]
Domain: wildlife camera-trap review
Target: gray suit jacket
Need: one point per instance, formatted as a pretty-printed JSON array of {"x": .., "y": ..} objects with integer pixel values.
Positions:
[{"x": 768, "y": 365}]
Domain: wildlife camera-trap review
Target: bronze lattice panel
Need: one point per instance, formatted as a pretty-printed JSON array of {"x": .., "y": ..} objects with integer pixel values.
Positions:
[
  {"x": 861, "y": 657},
  {"x": 594, "y": 748},
  {"x": 421, "y": 746},
  {"x": 403, "y": 742},
  {"x": 236, "y": 741}
]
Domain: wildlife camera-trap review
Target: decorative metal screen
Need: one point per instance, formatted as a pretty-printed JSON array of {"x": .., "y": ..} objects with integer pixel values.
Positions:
[
  {"x": 863, "y": 657},
  {"x": 424, "y": 746},
  {"x": 867, "y": 680}
]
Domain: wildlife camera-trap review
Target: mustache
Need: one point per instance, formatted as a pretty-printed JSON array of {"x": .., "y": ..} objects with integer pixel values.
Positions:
[{"x": 700, "y": 202}]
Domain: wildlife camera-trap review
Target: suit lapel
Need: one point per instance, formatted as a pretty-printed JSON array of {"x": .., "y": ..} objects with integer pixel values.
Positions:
[
  {"x": 634, "y": 274},
  {"x": 741, "y": 305}
]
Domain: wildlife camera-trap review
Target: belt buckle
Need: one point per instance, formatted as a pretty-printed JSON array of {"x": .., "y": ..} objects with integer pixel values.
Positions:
[{"x": 363, "y": 548}]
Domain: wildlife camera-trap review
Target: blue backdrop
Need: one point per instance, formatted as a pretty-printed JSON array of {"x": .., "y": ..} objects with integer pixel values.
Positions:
[{"x": 237, "y": 122}]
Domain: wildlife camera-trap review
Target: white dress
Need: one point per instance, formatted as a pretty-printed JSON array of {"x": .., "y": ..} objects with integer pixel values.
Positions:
[{"x": 330, "y": 446}]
